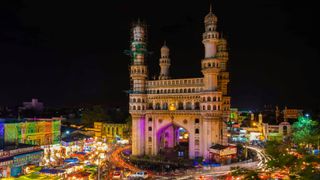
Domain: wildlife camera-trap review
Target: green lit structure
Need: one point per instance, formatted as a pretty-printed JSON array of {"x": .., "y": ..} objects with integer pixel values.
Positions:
[{"x": 35, "y": 131}]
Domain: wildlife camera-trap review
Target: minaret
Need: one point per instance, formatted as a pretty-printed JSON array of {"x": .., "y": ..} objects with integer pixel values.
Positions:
[
  {"x": 260, "y": 118},
  {"x": 211, "y": 104},
  {"x": 222, "y": 53},
  {"x": 139, "y": 75},
  {"x": 210, "y": 36},
  {"x": 164, "y": 62},
  {"x": 210, "y": 64}
]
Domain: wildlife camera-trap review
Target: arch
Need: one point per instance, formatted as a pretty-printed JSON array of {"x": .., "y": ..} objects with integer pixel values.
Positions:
[
  {"x": 134, "y": 100},
  {"x": 150, "y": 106},
  {"x": 134, "y": 108},
  {"x": 188, "y": 106},
  {"x": 172, "y": 135},
  {"x": 189, "y": 90},
  {"x": 208, "y": 98},
  {"x": 185, "y": 91},
  {"x": 165, "y": 106},
  {"x": 203, "y": 107},
  {"x": 138, "y": 100},
  {"x": 209, "y": 107},
  {"x": 180, "y": 105},
  {"x": 197, "y": 131},
  {"x": 197, "y": 121},
  {"x": 214, "y": 107},
  {"x": 196, "y": 105},
  {"x": 138, "y": 108},
  {"x": 214, "y": 99},
  {"x": 157, "y": 106}
]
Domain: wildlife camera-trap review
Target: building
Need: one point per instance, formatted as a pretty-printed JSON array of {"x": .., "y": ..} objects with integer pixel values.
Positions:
[
  {"x": 276, "y": 132},
  {"x": 15, "y": 159},
  {"x": 291, "y": 114},
  {"x": 33, "y": 105},
  {"x": 111, "y": 131},
  {"x": 34, "y": 131},
  {"x": 165, "y": 109}
]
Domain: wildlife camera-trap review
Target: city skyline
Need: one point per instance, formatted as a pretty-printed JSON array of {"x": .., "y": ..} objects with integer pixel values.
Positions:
[{"x": 65, "y": 57}]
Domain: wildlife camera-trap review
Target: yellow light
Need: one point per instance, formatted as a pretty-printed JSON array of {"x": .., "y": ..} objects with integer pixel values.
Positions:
[
  {"x": 172, "y": 107},
  {"x": 254, "y": 124}
]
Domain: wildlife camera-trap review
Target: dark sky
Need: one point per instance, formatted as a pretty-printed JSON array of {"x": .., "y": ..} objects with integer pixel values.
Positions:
[{"x": 71, "y": 53}]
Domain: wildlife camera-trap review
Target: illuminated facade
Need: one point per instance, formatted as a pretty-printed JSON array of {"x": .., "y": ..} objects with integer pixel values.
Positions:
[
  {"x": 165, "y": 110},
  {"x": 37, "y": 131},
  {"x": 14, "y": 159},
  {"x": 110, "y": 131}
]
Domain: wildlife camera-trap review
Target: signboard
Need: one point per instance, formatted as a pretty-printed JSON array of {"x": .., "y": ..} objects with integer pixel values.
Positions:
[{"x": 228, "y": 151}]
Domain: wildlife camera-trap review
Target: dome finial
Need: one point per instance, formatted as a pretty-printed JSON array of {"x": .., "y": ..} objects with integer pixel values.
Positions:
[
  {"x": 164, "y": 43},
  {"x": 210, "y": 7}
]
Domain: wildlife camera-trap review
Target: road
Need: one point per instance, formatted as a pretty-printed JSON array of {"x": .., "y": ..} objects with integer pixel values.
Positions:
[
  {"x": 263, "y": 158},
  {"x": 117, "y": 160}
]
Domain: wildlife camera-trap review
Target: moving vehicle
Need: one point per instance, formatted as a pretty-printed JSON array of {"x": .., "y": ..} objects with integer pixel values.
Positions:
[
  {"x": 139, "y": 175},
  {"x": 116, "y": 175}
]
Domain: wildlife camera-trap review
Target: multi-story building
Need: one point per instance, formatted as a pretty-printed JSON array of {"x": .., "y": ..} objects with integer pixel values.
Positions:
[
  {"x": 110, "y": 131},
  {"x": 15, "y": 158},
  {"x": 276, "y": 132},
  {"x": 166, "y": 109},
  {"x": 34, "y": 104},
  {"x": 34, "y": 131}
]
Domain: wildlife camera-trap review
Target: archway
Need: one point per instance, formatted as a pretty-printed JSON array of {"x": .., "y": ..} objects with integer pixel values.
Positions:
[{"x": 173, "y": 142}]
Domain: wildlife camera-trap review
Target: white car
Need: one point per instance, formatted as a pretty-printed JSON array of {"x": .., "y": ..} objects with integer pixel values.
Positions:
[{"x": 139, "y": 175}]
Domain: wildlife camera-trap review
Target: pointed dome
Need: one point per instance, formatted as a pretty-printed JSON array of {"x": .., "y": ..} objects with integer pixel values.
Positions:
[
  {"x": 164, "y": 47},
  {"x": 210, "y": 18},
  {"x": 164, "y": 50}
]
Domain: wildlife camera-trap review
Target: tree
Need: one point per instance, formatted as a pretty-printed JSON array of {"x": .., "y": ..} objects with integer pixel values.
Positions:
[
  {"x": 305, "y": 131},
  {"x": 94, "y": 114},
  {"x": 298, "y": 165}
]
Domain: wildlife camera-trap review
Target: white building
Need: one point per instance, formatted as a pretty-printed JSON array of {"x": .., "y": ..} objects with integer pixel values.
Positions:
[
  {"x": 169, "y": 115},
  {"x": 34, "y": 104}
]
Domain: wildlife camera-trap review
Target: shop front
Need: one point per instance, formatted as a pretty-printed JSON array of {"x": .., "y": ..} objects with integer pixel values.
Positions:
[{"x": 223, "y": 154}]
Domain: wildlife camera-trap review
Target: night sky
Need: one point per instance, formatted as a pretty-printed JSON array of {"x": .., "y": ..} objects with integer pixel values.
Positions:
[{"x": 68, "y": 53}]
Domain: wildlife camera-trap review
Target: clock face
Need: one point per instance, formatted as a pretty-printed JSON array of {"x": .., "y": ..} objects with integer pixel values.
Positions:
[{"x": 172, "y": 107}]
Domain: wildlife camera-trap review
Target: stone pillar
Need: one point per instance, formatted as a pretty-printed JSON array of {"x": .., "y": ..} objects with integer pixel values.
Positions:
[
  {"x": 138, "y": 135},
  {"x": 206, "y": 136}
]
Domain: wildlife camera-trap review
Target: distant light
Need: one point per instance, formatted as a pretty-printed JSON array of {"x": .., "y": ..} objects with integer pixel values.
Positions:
[
  {"x": 68, "y": 132},
  {"x": 307, "y": 115}
]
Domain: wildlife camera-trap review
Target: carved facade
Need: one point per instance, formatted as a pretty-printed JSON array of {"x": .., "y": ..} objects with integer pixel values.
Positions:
[{"x": 159, "y": 108}]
